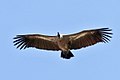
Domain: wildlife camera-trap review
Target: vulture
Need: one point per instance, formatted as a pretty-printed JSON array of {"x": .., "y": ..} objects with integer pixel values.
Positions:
[{"x": 64, "y": 43}]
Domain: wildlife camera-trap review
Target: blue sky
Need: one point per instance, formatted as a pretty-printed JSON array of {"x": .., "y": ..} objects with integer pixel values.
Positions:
[{"x": 98, "y": 62}]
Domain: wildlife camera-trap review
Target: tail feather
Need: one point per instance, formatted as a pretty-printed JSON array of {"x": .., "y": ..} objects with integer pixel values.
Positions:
[{"x": 66, "y": 54}]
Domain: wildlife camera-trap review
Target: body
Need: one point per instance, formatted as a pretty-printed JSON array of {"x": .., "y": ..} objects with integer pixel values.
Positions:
[{"x": 64, "y": 43}]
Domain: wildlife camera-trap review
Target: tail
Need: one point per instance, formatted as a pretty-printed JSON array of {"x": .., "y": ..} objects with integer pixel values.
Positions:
[{"x": 66, "y": 54}]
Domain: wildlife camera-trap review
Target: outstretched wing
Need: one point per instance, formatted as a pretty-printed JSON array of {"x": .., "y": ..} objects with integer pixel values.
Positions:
[
  {"x": 37, "y": 41},
  {"x": 89, "y": 37}
]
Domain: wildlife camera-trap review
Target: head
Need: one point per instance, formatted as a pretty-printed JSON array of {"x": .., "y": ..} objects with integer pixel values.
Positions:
[{"x": 59, "y": 35}]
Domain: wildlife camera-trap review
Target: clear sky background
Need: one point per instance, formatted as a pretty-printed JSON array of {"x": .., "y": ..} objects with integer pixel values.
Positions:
[{"x": 98, "y": 62}]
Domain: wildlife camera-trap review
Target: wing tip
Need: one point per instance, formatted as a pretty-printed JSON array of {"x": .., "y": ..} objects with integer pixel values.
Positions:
[
  {"x": 19, "y": 42},
  {"x": 106, "y": 34},
  {"x": 105, "y": 29}
]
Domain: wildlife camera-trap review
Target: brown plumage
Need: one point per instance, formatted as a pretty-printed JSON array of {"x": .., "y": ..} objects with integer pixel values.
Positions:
[{"x": 65, "y": 43}]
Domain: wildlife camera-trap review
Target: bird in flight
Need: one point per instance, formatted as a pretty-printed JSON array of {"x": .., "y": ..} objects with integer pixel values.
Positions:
[{"x": 64, "y": 43}]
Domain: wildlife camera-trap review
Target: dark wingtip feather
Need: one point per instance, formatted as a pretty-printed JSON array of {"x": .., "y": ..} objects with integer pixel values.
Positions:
[
  {"x": 17, "y": 36},
  {"x": 106, "y": 34},
  {"x": 19, "y": 41}
]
